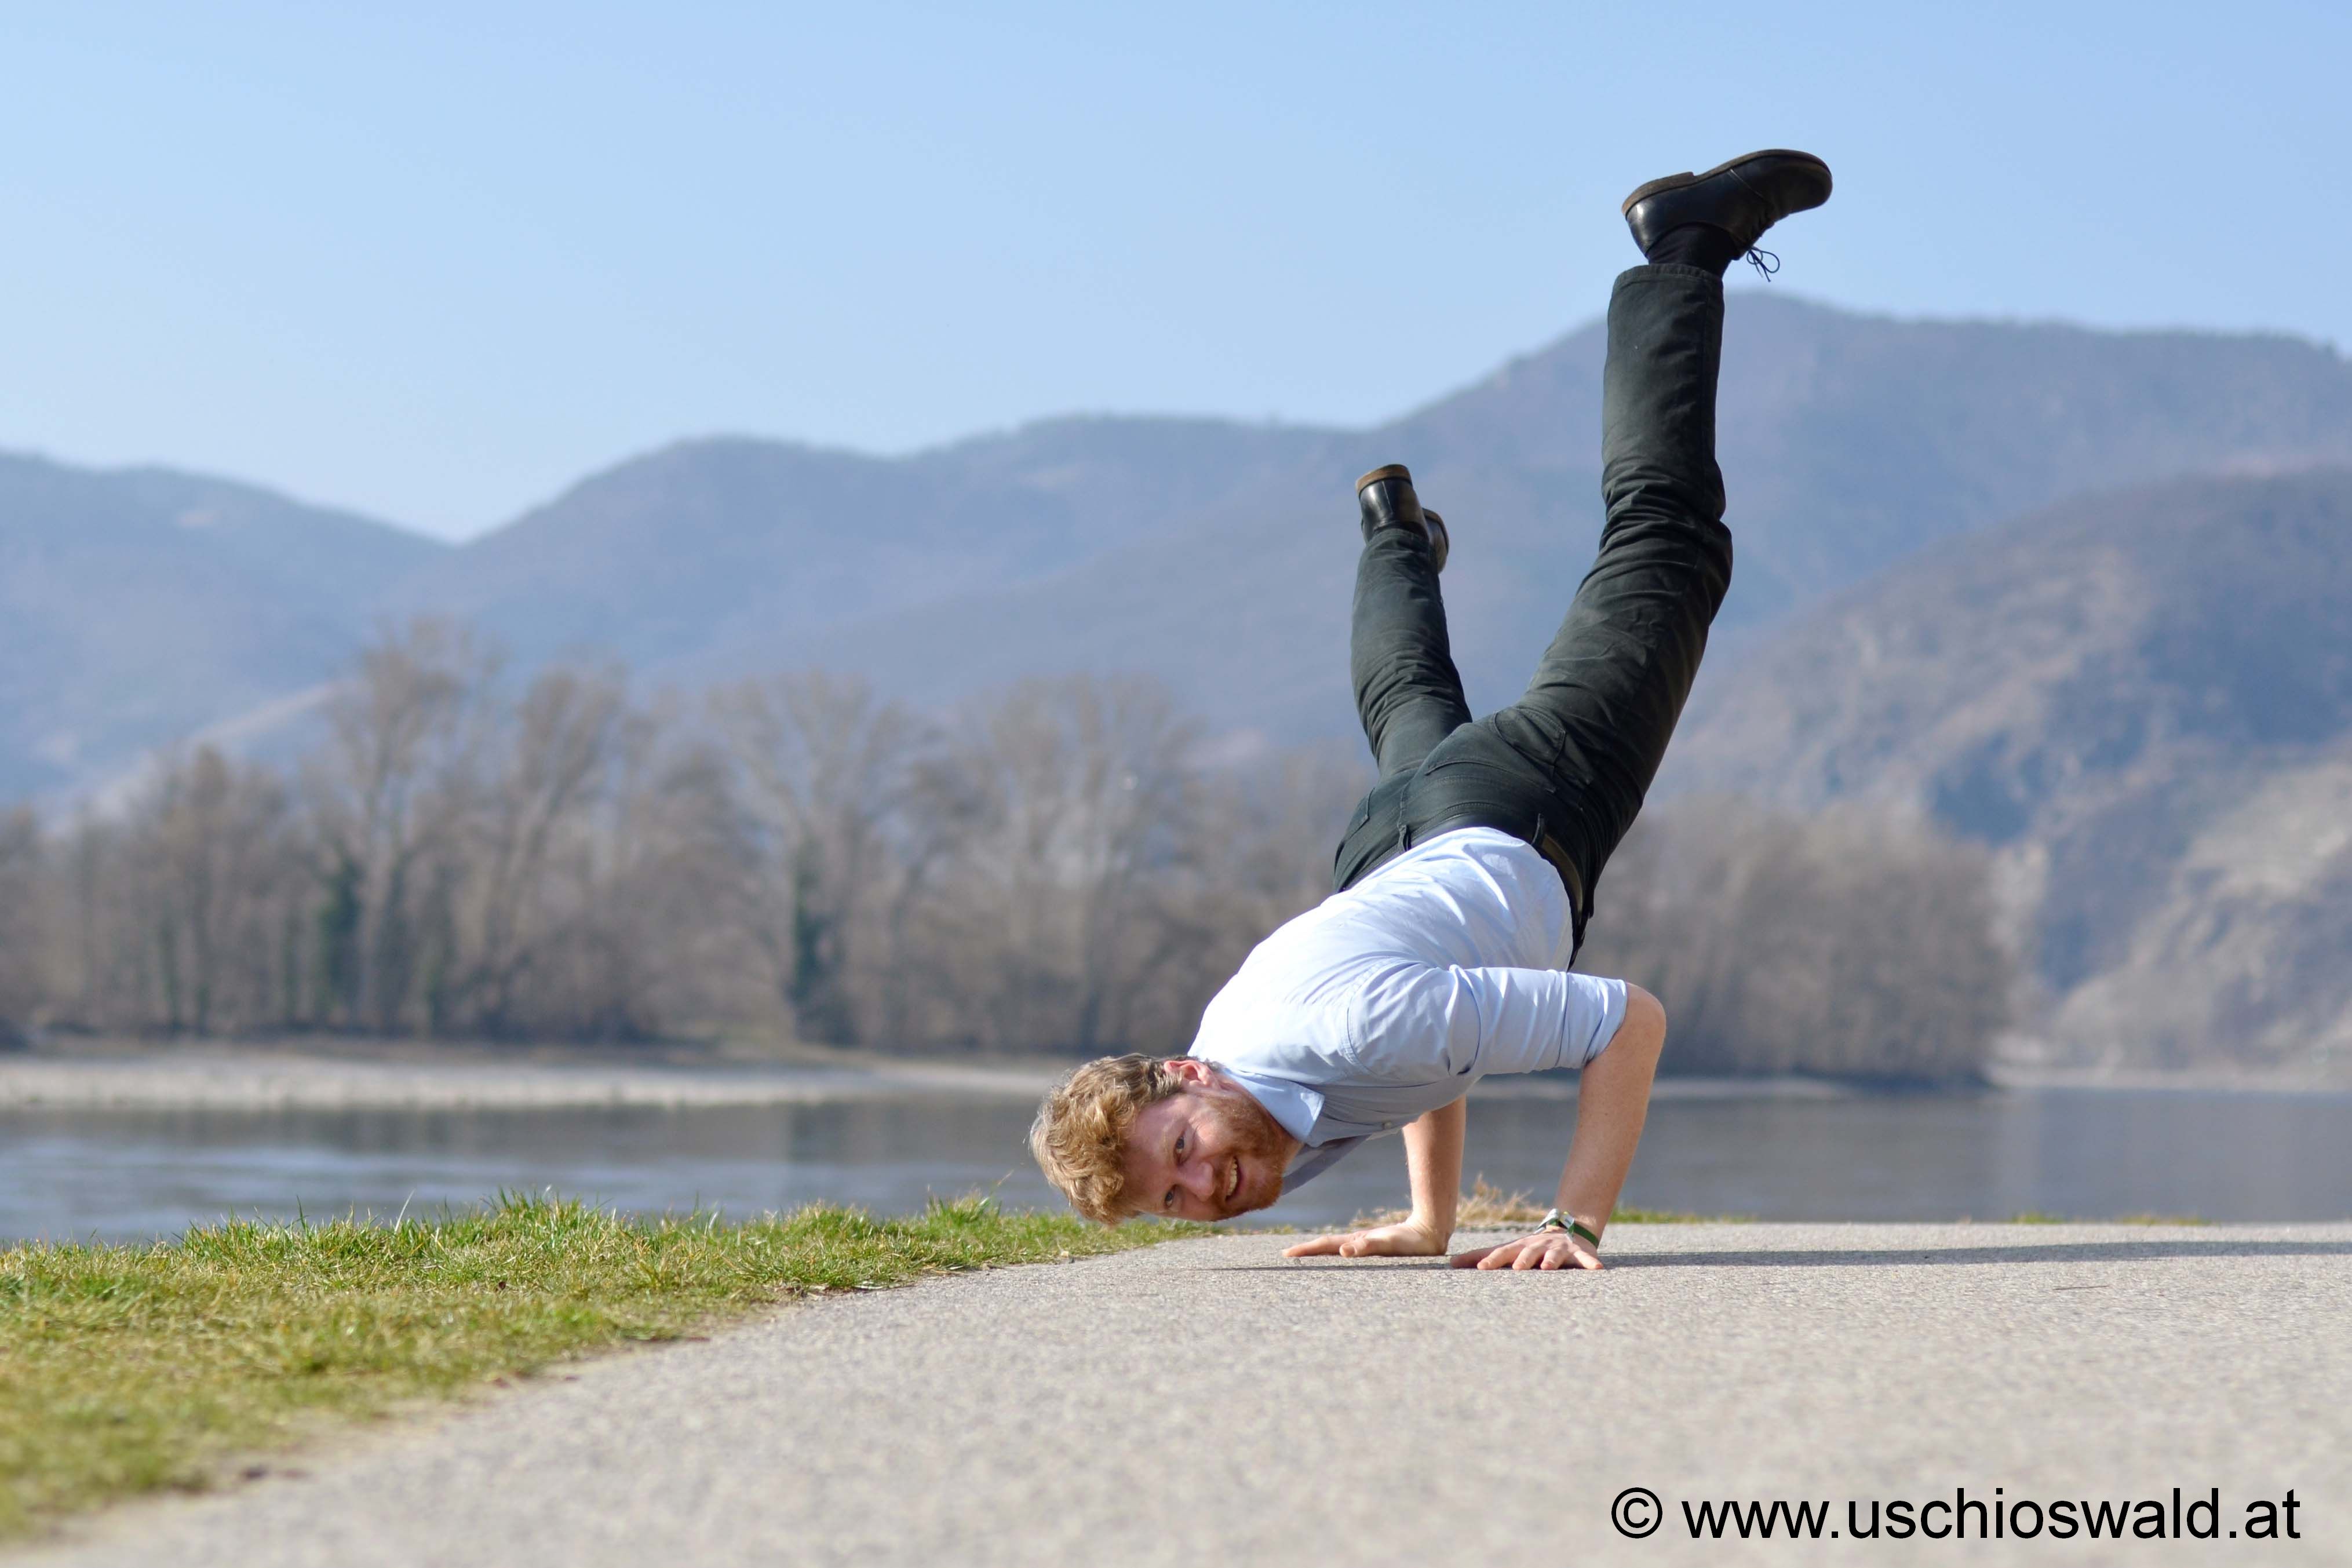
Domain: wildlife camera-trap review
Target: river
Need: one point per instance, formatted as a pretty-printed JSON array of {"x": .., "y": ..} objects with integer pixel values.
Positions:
[{"x": 125, "y": 1175}]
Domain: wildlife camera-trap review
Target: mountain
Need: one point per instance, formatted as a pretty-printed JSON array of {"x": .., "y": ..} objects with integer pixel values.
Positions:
[
  {"x": 2144, "y": 699},
  {"x": 139, "y": 605},
  {"x": 2139, "y": 692},
  {"x": 713, "y": 550},
  {"x": 1848, "y": 442},
  {"x": 1216, "y": 555}
]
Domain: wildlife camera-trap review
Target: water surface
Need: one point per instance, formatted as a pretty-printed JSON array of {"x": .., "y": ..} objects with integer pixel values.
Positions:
[{"x": 2087, "y": 1154}]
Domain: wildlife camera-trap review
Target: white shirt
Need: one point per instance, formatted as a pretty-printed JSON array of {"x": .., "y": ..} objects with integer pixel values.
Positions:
[{"x": 1393, "y": 998}]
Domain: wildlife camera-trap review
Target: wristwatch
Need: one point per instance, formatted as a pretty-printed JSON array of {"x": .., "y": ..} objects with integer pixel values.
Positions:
[{"x": 1557, "y": 1220}]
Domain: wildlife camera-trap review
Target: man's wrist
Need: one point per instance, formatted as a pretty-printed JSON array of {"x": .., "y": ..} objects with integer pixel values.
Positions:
[{"x": 1560, "y": 1219}]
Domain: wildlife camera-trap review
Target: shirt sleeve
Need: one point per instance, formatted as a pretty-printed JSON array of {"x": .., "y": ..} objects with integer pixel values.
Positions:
[{"x": 1460, "y": 1022}]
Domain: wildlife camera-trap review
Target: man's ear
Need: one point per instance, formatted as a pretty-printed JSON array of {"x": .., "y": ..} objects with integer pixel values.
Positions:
[{"x": 1194, "y": 1072}]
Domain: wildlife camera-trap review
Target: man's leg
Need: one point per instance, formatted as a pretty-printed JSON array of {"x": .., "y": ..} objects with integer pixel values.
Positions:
[
  {"x": 1408, "y": 693},
  {"x": 1596, "y": 719},
  {"x": 1566, "y": 766}
]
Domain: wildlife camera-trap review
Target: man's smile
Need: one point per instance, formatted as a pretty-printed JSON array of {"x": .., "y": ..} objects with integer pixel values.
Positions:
[{"x": 1233, "y": 1188}]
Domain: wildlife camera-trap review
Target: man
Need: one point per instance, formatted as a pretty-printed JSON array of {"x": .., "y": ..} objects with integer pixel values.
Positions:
[{"x": 1464, "y": 878}]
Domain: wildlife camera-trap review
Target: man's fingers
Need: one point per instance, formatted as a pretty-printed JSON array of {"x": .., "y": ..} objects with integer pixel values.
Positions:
[
  {"x": 1354, "y": 1244},
  {"x": 1530, "y": 1252}
]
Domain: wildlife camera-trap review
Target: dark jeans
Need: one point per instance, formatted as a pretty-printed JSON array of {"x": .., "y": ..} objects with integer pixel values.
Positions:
[{"x": 1564, "y": 767}]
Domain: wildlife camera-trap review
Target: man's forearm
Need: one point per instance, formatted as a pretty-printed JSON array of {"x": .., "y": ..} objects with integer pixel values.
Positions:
[
  {"x": 1612, "y": 1101},
  {"x": 1432, "y": 1162}
]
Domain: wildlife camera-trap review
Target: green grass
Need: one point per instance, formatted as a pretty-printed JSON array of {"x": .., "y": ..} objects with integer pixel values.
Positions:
[{"x": 133, "y": 1369}]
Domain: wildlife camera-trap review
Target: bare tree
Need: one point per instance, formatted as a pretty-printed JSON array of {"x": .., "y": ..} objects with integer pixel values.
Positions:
[
  {"x": 388, "y": 800},
  {"x": 219, "y": 888},
  {"x": 637, "y": 929},
  {"x": 1080, "y": 806},
  {"x": 1264, "y": 853},
  {"x": 824, "y": 771},
  {"x": 1854, "y": 942},
  {"x": 1056, "y": 867},
  {"x": 21, "y": 980},
  {"x": 522, "y": 888}
]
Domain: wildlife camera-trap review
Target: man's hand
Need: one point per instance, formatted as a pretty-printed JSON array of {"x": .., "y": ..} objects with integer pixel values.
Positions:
[
  {"x": 1544, "y": 1249},
  {"x": 1410, "y": 1238}
]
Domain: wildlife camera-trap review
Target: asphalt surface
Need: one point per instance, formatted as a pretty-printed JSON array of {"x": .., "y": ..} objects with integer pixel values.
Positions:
[{"x": 1208, "y": 1401}]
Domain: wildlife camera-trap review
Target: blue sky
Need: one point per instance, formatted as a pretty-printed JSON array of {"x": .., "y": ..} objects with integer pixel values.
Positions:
[{"x": 435, "y": 262}]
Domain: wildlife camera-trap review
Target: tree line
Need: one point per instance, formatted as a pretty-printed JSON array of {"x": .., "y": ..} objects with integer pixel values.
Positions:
[{"x": 1052, "y": 867}]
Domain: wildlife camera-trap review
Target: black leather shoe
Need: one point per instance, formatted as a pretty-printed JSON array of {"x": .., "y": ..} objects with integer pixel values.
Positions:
[
  {"x": 1386, "y": 499},
  {"x": 1743, "y": 197}
]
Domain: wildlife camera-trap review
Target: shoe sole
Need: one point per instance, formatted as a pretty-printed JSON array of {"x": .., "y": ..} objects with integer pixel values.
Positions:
[
  {"x": 1677, "y": 181},
  {"x": 1386, "y": 471}
]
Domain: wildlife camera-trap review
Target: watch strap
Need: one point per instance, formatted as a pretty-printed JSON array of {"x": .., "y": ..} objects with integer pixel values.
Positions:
[{"x": 1558, "y": 1220}]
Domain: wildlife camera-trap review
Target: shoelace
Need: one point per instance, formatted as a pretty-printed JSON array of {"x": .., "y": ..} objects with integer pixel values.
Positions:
[{"x": 1763, "y": 260}]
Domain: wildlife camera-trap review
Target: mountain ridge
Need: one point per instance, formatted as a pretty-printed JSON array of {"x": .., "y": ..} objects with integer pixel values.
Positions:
[
  {"x": 139, "y": 604},
  {"x": 2142, "y": 699},
  {"x": 1848, "y": 440}
]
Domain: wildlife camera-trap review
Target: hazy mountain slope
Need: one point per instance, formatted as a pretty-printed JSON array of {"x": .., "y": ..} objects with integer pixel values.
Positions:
[
  {"x": 338, "y": 563},
  {"x": 1215, "y": 554},
  {"x": 137, "y": 605},
  {"x": 2145, "y": 697},
  {"x": 1246, "y": 615},
  {"x": 703, "y": 547},
  {"x": 1847, "y": 441}
]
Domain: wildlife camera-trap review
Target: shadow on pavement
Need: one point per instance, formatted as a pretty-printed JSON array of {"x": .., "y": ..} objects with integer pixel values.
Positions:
[{"x": 2055, "y": 1252}]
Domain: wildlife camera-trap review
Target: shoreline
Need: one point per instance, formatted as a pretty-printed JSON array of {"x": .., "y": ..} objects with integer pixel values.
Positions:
[
  {"x": 229, "y": 1079},
  {"x": 222, "y": 1078}
]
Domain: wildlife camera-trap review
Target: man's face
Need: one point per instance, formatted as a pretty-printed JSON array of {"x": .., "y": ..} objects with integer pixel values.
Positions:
[{"x": 1208, "y": 1152}]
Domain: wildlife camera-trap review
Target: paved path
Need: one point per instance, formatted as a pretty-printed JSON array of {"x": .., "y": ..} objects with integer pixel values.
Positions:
[{"x": 1208, "y": 1402}]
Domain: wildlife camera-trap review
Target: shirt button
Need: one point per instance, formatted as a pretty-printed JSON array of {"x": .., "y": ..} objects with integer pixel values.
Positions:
[{"x": 1388, "y": 1126}]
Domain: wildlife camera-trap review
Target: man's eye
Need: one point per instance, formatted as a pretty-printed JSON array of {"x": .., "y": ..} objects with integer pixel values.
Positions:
[{"x": 1169, "y": 1201}]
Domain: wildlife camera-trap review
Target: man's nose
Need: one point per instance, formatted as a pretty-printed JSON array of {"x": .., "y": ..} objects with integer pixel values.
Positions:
[{"x": 1199, "y": 1179}]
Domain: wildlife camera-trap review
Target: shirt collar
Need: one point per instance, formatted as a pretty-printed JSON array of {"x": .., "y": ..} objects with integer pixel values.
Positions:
[{"x": 1293, "y": 1105}]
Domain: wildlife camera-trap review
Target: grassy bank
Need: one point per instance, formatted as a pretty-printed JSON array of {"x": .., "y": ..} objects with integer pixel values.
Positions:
[{"x": 130, "y": 1369}]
